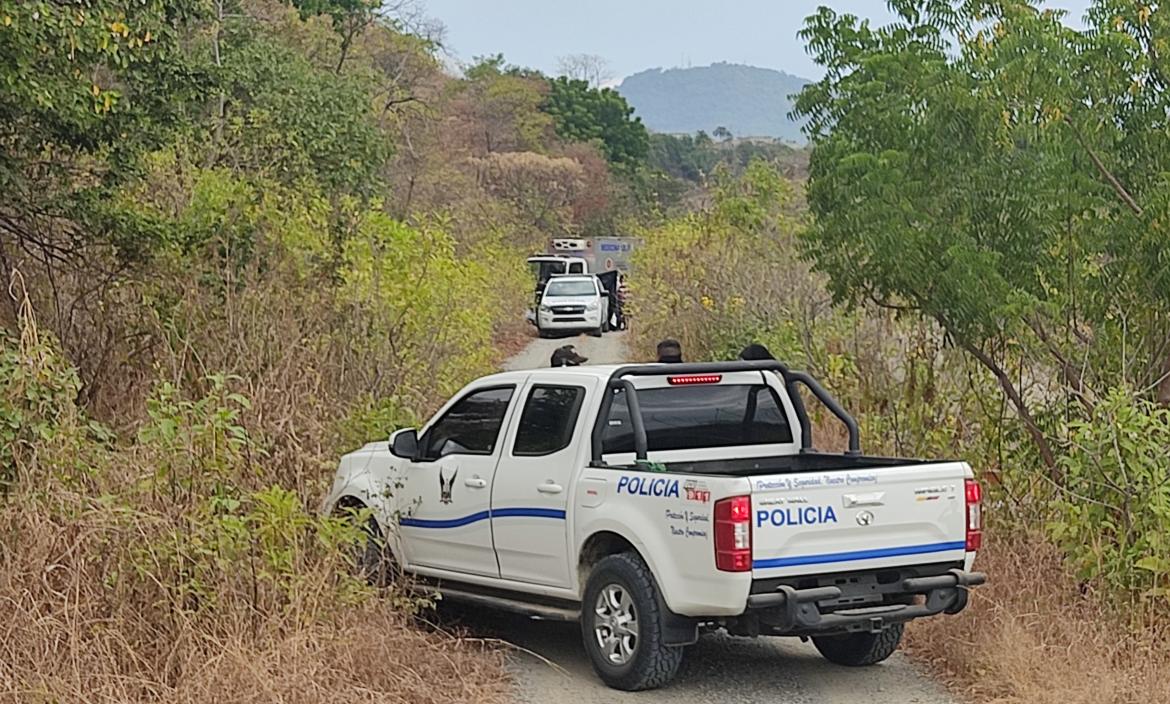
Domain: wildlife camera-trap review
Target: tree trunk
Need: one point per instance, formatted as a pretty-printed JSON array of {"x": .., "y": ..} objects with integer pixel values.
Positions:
[{"x": 1013, "y": 394}]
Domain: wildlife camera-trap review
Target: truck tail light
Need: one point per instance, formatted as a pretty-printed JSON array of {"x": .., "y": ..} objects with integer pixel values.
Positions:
[
  {"x": 692, "y": 379},
  {"x": 733, "y": 534},
  {"x": 974, "y": 515}
]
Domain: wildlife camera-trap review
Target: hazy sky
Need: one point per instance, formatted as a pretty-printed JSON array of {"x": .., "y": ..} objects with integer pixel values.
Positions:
[{"x": 638, "y": 34}]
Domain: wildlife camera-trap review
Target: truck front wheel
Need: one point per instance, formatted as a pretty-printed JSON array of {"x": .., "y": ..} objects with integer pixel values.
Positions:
[
  {"x": 621, "y": 623},
  {"x": 860, "y": 649}
]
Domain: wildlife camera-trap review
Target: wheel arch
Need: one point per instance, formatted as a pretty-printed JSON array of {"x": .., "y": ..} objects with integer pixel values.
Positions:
[
  {"x": 354, "y": 499},
  {"x": 677, "y": 630},
  {"x": 600, "y": 545}
]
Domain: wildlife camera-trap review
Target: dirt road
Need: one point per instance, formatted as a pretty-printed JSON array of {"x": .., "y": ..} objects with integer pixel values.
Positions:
[
  {"x": 718, "y": 668},
  {"x": 607, "y": 349}
]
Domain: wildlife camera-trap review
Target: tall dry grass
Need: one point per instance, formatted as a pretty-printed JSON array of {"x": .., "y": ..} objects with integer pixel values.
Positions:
[
  {"x": 159, "y": 540},
  {"x": 76, "y": 625},
  {"x": 1036, "y": 635}
]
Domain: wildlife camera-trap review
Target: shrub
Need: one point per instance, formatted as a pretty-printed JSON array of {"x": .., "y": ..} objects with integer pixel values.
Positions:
[{"x": 1111, "y": 515}]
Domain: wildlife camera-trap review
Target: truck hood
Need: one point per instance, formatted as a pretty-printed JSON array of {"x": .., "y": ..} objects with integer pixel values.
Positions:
[{"x": 569, "y": 300}]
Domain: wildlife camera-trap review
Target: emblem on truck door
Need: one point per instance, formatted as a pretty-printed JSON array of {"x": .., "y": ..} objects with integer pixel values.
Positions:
[
  {"x": 445, "y": 486},
  {"x": 864, "y": 518}
]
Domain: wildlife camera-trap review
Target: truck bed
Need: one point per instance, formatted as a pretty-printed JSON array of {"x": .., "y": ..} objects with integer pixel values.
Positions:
[{"x": 789, "y": 464}]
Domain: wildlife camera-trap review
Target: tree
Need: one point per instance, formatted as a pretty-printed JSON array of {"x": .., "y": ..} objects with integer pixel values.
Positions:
[
  {"x": 722, "y": 133},
  {"x": 590, "y": 68},
  {"x": 505, "y": 105},
  {"x": 82, "y": 96},
  {"x": 584, "y": 114},
  {"x": 541, "y": 187},
  {"x": 1010, "y": 187}
]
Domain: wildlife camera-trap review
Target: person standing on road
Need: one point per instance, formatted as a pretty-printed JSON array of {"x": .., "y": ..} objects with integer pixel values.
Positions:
[
  {"x": 670, "y": 352},
  {"x": 623, "y": 297}
]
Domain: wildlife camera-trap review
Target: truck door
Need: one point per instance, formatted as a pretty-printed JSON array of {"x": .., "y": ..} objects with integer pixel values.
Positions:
[
  {"x": 447, "y": 521},
  {"x": 532, "y": 485}
]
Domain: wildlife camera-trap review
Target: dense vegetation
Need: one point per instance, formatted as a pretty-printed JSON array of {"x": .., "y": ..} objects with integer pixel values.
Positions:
[
  {"x": 1014, "y": 194},
  {"x": 697, "y": 160},
  {"x": 747, "y": 101},
  {"x": 982, "y": 270},
  {"x": 238, "y": 238}
]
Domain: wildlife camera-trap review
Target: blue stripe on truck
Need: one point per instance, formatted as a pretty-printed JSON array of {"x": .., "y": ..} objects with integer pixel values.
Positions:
[
  {"x": 858, "y": 555},
  {"x": 482, "y": 516}
]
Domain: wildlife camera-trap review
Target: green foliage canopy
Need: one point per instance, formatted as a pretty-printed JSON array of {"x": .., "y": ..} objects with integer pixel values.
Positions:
[
  {"x": 1011, "y": 186},
  {"x": 584, "y": 114}
]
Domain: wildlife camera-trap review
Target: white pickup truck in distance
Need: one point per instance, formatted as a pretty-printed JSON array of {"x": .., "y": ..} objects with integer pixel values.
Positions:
[
  {"x": 651, "y": 502},
  {"x": 573, "y": 303}
]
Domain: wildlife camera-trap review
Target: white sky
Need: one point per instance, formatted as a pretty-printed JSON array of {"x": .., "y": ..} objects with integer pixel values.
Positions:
[{"x": 633, "y": 35}]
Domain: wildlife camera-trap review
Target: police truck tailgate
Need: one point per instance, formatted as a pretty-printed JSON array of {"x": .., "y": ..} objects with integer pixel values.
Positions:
[{"x": 845, "y": 520}]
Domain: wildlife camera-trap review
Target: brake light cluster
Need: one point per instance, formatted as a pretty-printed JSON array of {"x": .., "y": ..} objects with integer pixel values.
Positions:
[
  {"x": 974, "y": 494},
  {"x": 733, "y": 534},
  {"x": 692, "y": 379}
]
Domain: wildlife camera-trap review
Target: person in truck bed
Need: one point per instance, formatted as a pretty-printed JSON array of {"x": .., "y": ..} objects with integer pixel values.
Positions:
[
  {"x": 755, "y": 351},
  {"x": 670, "y": 352}
]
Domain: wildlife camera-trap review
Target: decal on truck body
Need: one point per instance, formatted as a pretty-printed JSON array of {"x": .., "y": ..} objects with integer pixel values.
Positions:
[
  {"x": 796, "y": 516},
  {"x": 648, "y": 486}
]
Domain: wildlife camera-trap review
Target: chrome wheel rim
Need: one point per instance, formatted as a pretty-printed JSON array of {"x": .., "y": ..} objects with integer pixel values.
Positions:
[{"x": 615, "y": 624}]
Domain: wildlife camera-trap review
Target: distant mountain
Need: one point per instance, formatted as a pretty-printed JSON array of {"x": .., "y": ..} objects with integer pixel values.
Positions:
[{"x": 748, "y": 101}]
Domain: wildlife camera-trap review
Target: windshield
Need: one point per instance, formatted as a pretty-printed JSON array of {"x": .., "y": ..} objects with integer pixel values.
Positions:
[
  {"x": 543, "y": 271},
  {"x": 579, "y": 287}
]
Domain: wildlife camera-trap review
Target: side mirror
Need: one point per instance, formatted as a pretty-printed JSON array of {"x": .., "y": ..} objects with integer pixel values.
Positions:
[{"x": 404, "y": 443}]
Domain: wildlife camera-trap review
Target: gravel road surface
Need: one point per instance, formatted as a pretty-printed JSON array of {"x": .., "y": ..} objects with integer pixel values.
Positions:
[
  {"x": 551, "y": 667},
  {"x": 607, "y": 349}
]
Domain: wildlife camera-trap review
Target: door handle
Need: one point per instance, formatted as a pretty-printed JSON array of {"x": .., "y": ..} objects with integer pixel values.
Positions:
[
  {"x": 854, "y": 500},
  {"x": 550, "y": 487},
  {"x": 475, "y": 482}
]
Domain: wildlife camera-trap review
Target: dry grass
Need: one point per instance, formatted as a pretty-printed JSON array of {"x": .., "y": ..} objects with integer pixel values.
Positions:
[
  {"x": 1035, "y": 635},
  {"x": 148, "y": 569},
  {"x": 80, "y": 620}
]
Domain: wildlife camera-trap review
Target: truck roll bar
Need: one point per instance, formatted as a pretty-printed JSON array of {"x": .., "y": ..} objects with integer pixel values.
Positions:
[{"x": 620, "y": 380}]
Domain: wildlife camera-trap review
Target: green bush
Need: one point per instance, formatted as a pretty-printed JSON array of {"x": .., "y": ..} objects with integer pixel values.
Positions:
[{"x": 1112, "y": 517}]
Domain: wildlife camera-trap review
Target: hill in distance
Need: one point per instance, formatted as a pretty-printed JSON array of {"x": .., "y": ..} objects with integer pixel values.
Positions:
[{"x": 747, "y": 100}]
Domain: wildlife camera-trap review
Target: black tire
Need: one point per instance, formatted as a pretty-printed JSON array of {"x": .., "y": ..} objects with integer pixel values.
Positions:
[
  {"x": 541, "y": 333},
  {"x": 860, "y": 649},
  {"x": 650, "y": 663},
  {"x": 372, "y": 558},
  {"x": 596, "y": 332}
]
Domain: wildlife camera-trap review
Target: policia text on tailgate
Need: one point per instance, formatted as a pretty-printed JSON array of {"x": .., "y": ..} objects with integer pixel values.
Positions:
[{"x": 649, "y": 502}]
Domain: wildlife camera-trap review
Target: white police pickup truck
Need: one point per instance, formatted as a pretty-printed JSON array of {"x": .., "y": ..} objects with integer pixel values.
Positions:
[{"x": 650, "y": 502}]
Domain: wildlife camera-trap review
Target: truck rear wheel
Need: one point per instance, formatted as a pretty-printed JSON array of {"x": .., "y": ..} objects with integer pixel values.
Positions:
[
  {"x": 621, "y": 623},
  {"x": 860, "y": 649}
]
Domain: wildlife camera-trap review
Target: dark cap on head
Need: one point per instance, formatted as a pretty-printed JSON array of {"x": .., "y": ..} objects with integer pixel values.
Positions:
[
  {"x": 567, "y": 357},
  {"x": 755, "y": 351},
  {"x": 670, "y": 351}
]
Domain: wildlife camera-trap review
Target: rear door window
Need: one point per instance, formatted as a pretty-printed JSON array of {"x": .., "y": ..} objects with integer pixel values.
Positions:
[{"x": 692, "y": 417}]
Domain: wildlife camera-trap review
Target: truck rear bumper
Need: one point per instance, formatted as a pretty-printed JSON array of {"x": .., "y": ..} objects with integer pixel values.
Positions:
[{"x": 788, "y": 610}]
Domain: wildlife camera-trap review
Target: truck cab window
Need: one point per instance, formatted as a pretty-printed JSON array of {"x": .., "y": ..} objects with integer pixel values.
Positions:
[
  {"x": 548, "y": 420},
  {"x": 693, "y": 417},
  {"x": 471, "y": 426}
]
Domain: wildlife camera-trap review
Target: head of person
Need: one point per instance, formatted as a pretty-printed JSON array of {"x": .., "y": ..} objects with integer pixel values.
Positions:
[
  {"x": 670, "y": 351},
  {"x": 755, "y": 351},
  {"x": 567, "y": 357}
]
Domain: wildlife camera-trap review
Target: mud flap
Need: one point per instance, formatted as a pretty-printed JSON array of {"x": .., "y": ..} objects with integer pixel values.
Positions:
[{"x": 677, "y": 630}]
